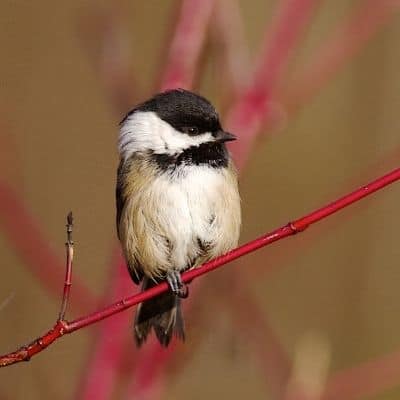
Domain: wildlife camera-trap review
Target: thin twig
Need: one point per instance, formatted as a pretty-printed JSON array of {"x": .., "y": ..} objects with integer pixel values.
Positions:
[
  {"x": 299, "y": 225},
  {"x": 69, "y": 245}
]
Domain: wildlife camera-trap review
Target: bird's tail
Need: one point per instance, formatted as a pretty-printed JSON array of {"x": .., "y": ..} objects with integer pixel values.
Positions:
[{"x": 162, "y": 313}]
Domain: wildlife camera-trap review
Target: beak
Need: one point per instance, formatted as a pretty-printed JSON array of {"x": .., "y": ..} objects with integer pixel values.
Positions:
[{"x": 222, "y": 136}]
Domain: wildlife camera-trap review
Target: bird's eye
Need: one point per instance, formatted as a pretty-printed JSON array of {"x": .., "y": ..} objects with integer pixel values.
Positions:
[{"x": 191, "y": 130}]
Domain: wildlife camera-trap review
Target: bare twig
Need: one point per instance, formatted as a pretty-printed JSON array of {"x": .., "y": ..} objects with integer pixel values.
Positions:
[
  {"x": 25, "y": 352},
  {"x": 69, "y": 245},
  {"x": 299, "y": 225}
]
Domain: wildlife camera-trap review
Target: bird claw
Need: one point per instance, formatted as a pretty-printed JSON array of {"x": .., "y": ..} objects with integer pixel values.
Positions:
[{"x": 176, "y": 285}]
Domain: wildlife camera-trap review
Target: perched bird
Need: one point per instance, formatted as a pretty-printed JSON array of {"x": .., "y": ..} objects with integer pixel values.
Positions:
[{"x": 177, "y": 197}]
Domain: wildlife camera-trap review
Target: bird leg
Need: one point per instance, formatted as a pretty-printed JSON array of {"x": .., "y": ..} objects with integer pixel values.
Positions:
[{"x": 176, "y": 285}]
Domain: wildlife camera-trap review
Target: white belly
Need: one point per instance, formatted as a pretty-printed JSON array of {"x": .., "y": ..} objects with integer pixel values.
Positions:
[
  {"x": 188, "y": 208},
  {"x": 180, "y": 220}
]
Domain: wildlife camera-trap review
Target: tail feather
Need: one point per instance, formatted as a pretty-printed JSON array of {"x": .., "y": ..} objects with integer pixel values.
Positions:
[{"x": 162, "y": 313}]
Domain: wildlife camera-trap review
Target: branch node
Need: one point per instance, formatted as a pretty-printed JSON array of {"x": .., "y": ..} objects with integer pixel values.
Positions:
[
  {"x": 61, "y": 326},
  {"x": 295, "y": 228}
]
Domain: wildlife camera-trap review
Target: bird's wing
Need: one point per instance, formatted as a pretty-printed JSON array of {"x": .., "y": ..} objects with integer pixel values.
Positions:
[{"x": 135, "y": 270}]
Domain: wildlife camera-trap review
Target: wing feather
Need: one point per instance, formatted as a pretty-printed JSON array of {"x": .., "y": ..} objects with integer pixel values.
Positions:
[{"x": 134, "y": 267}]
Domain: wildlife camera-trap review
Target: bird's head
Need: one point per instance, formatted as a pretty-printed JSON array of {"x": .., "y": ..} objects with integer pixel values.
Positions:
[{"x": 170, "y": 123}]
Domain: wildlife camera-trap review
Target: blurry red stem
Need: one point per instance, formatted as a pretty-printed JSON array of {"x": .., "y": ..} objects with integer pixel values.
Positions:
[
  {"x": 153, "y": 359},
  {"x": 103, "y": 366},
  {"x": 344, "y": 43},
  {"x": 64, "y": 327},
  {"x": 149, "y": 366},
  {"x": 186, "y": 44},
  {"x": 111, "y": 54},
  {"x": 365, "y": 380},
  {"x": 251, "y": 110},
  {"x": 271, "y": 355},
  {"x": 232, "y": 53}
]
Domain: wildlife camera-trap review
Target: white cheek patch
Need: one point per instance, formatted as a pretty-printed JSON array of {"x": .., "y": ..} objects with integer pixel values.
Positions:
[{"x": 144, "y": 130}]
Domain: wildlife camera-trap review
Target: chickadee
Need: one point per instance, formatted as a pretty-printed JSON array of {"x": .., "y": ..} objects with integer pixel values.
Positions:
[{"x": 178, "y": 203}]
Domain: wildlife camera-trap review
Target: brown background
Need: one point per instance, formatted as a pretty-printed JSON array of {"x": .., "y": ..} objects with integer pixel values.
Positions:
[{"x": 59, "y": 151}]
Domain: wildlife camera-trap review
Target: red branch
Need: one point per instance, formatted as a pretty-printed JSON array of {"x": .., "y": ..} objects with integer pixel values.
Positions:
[{"x": 64, "y": 327}]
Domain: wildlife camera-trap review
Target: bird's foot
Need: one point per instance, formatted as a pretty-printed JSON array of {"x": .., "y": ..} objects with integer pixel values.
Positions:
[{"x": 179, "y": 288}]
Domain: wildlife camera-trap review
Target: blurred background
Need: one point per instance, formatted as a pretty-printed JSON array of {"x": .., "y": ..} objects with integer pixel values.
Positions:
[{"x": 315, "y": 316}]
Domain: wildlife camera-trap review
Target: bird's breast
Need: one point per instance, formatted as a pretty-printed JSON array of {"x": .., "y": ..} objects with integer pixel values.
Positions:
[{"x": 183, "y": 219}]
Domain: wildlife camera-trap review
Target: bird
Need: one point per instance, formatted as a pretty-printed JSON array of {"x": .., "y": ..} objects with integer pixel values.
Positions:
[{"x": 177, "y": 200}]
